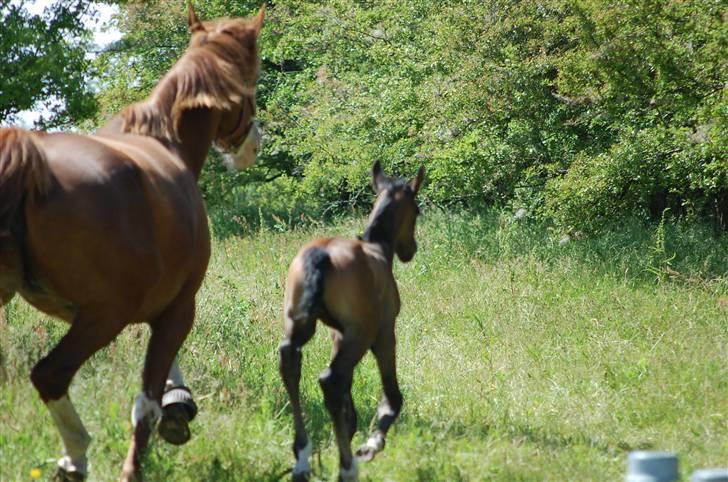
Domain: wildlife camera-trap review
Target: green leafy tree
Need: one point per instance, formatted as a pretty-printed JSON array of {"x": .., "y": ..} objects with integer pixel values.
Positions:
[
  {"x": 45, "y": 62},
  {"x": 582, "y": 111}
]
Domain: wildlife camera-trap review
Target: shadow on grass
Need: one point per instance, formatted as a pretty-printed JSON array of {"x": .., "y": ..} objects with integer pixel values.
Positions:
[
  {"x": 215, "y": 471},
  {"x": 522, "y": 433}
]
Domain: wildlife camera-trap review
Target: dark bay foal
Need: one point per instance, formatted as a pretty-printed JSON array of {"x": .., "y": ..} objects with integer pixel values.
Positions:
[{"x": 348, "y": 284}]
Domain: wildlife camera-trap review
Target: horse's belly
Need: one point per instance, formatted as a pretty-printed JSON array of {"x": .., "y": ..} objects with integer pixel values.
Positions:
[
  {"x": 48, "y": 303},
  {"x": 11, "y": 271}
]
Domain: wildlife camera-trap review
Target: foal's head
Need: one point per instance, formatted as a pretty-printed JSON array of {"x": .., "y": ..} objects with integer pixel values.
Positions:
[
  {"x": 236, "y": 41},
  {"x": 395, "y": 212}
]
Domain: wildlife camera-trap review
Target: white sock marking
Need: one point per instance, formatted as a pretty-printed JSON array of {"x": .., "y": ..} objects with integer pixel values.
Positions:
[
  {"x": 375, "y": 442},
  {"x": 74, "y": 435},
  {"x": 352, "y": 474},
  {"x": 302, "y": 465},
  {"x": 174, "y": 379}
]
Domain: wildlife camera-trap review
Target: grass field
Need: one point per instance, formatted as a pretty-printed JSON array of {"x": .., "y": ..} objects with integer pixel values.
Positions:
[{"x": 520, "y": 359}]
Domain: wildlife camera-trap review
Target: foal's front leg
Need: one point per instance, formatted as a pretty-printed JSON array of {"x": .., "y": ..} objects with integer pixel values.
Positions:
[{"x": 391, "y": 402}]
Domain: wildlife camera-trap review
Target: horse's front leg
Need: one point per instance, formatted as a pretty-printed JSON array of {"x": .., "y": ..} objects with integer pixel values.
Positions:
[
  {"x": 169, "y": 331},
  {"x": 51, "y": 377},
  {"x": 391, "y": 402}
]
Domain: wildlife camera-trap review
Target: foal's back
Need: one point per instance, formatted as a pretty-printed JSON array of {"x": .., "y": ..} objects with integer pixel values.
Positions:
[{"x": 359, "y": 290}]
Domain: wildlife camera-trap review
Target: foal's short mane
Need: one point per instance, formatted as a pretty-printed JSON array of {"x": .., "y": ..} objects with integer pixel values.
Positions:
[{"x": 218, "y": 69}]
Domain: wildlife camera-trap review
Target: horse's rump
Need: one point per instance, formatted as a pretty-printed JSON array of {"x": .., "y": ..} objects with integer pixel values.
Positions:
[
  {"x": 121, "y": 225},
  {"x": 23, "y": 170}
]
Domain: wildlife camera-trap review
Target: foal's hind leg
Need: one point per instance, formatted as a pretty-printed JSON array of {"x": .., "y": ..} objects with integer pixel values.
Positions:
[
  {"x": 391, "y": 402},
  {"x": 52, "y": 375},
  {"x": 168, "y": 333},
  {"x": 336, "y": 382},
  {"x": 297, "y": 335}
]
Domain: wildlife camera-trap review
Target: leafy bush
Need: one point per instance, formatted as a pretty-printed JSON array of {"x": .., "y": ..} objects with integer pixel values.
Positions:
[{"x": 582, "y": 112}]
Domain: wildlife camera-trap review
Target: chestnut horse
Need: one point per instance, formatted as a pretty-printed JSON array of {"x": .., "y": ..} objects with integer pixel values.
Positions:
[
  {"x": 110, "y": 229},
  {"x": 349, "y": 285}
]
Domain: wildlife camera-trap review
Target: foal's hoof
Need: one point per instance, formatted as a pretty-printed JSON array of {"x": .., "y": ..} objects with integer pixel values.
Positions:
[
  {"x": 301, "y": 477},
  {"x": 178, "y": 409},
  {"x": 365, "y": 453},
  {"x": 65, "y": 476},
  {"x": 372, "y": 447}
]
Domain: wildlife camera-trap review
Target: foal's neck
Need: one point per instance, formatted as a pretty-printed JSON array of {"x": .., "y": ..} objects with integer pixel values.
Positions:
[{"x": 381, "y": 231}]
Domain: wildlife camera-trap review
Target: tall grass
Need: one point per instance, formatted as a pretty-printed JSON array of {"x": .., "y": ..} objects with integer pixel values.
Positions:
[{"x": 521, "y": 358}]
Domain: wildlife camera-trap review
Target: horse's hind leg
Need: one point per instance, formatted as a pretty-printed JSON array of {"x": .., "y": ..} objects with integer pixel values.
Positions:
[
  {"x": 336, "y": 382},
  {"x": 52, "y": 375},
  {"x": 391, "y": 402},
  {"x": 297, "y": 335},
  {"x": 168, "y": 333},
  {"x": 178, "y": 408}
]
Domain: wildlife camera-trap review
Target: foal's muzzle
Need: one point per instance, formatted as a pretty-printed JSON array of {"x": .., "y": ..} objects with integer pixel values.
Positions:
[{"x": 406, "y": 254}]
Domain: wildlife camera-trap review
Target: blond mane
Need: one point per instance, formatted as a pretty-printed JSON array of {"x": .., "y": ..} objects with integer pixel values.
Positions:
[{"x": 218, "y": 69}]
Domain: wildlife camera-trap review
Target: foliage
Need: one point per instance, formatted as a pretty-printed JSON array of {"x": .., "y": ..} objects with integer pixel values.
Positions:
[
  {"x": 584, "y": 113},
  {"x": 45, "y": 62}
]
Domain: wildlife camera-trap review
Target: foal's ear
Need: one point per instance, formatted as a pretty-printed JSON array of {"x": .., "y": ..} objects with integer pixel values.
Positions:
[
  {"x": 378, "y": 177},
  {"x": 258, "y": 20},
  {"x": 192, "y": 21},
  {"x": 417, "y": 181}
]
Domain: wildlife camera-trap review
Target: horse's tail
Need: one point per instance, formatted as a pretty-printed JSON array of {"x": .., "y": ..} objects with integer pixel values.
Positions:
[
  {"x": 24, "y": 170},
  {"x": 315, "y": 264}
]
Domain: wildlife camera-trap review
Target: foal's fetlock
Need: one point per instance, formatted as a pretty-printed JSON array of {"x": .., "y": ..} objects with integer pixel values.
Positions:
[
  {"x": 302, "y": 469},
  {"x": 351, "y": 474}
]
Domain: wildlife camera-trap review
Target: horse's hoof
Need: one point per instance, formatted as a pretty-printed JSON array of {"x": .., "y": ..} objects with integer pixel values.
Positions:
[
  {"x": 174, "y": 427},
  {"x": 178, "y": 409},
  {"x": 65, "y": 476},
  {"x": 130, "y": 477}
]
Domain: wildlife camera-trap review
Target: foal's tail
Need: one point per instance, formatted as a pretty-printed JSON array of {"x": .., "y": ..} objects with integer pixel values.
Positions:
[
  {"x": 23, "y": 170},
  {"x": 316, "y": 262}
]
